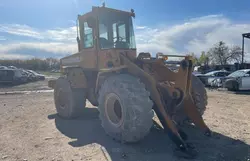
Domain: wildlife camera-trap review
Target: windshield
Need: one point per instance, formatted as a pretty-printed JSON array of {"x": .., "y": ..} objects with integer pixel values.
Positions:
[
  {"x": 116, "y": 31},
  {"x": 237, "y": 74},
  {"x": 31, "y": 71},
  {"x": 210, "y": 73}
]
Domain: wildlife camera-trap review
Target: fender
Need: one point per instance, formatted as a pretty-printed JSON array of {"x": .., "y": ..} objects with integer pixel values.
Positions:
[
  {"x": 76, "y": 77},
  {"x": 104, "y": 73}
]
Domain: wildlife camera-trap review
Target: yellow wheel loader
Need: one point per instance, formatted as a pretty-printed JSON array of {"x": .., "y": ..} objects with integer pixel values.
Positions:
[{"x": 126, "y": 88}]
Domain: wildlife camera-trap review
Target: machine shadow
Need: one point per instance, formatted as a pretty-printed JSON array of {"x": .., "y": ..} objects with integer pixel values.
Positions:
[
  {"x": 242, "y": 92},
  {"x": 156, "y": 146},
  {"x": 246, "y": 92}
]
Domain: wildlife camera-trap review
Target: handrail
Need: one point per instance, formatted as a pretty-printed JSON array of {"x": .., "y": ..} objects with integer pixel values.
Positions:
[{"x": 166, "y": 56}]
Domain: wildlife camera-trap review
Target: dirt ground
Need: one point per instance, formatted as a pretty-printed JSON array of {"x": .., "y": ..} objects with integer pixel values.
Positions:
[
  {"x": 31, "y": 86},
  {"x": 31, "y": 130}
]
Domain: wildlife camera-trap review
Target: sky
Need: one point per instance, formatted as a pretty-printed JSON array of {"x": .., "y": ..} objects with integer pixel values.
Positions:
[{"x": 46, "y": 28}]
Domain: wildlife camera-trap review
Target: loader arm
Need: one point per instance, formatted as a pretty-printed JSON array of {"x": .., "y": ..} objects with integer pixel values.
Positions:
[
  {"x": 179, "y": 86},
  {"x": 158, "y": 78},
  {"x": 151, "y": 86}
]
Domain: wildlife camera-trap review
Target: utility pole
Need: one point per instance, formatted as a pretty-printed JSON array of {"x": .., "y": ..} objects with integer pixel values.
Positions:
[
  {"x": 245, "y": 35},
  {"x": 242, "y": 57}
]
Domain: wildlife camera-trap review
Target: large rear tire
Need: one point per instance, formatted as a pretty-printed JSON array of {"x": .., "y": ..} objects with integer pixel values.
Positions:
[
  {"x": 125, "y": 108},
  {"x": 69, "y": 102},
  {"x": 199, "y": 95}
]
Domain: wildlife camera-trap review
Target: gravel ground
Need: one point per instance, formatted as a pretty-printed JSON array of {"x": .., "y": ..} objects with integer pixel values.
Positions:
[
  {"x": 31, "y": 86},
  {"x": 31, "y": 130}
]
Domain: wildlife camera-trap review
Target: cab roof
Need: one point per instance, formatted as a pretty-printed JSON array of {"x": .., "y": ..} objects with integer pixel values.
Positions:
[{"x": 95, "y": 10}]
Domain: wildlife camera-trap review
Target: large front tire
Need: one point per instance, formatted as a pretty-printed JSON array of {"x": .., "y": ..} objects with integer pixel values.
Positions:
[
  {"x": 125, "y": 108},
  {"x": 69, "y": 102}
]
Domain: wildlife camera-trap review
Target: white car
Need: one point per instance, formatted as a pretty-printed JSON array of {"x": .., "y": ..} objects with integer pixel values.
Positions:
[
  {"x": 238, "y": 80},
  {"x": 209, "y": 79},
  {"x": 3, "y": 67}
]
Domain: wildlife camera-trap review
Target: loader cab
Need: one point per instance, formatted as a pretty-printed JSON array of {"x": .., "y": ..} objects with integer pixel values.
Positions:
[
  {"x": 106, "y": 32},
  {"x": 115, "y": 30}
]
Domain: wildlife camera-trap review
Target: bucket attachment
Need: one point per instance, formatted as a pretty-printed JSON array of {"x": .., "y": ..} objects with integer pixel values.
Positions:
[{"x": 173, "y": 89}]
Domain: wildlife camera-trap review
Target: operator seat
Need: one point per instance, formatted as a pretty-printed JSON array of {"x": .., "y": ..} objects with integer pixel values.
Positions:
[{"x": 105, "y": 44}]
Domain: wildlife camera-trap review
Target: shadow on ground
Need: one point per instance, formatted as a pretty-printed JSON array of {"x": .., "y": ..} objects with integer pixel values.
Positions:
[
  {"x": 246, "y": 92},
  {"x": 242, "y": 92},
  {"x": 156, "y": 146}
]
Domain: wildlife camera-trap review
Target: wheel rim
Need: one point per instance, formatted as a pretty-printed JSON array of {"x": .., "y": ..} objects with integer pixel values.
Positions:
[{"x": 113, "y": 109}]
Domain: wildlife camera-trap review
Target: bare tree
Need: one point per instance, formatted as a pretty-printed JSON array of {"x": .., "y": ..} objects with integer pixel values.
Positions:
[
  {"x": 222, "y": 54},
  {"x": 236, "y": 53}
]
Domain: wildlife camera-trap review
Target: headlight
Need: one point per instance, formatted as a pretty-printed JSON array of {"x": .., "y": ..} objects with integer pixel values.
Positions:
[{"x": 219, "y": 80}]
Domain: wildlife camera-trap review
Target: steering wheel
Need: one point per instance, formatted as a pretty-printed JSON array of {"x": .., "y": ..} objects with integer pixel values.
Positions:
[
  {"x": 121, "y": 44},
  {"x": 119, "y": 38}
]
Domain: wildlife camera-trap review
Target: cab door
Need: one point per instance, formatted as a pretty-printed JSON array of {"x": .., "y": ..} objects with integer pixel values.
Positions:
[
  {"x": 108, "y": 54},
  {"x": 87, "y": 56}
]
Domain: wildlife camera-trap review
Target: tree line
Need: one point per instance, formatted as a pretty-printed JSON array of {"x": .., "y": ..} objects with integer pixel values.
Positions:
[
  {"x": 219, "y": 54},
  {"x": 33, "y": 64}
]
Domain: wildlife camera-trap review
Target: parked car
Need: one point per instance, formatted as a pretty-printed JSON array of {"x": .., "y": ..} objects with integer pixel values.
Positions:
[
  {"x": 3, "y": 67},
  {"x": 12, "y": 67},
  {"x": 209, "y": 78},
  {"x": 196, "y": 73},
  {"x": 12, "y": 76},
  {"x": 38, "y": 75},
  {"x": 238, "y": 80},
  {"x": 55, "y": 71},
  {"x": 30, "y": 76}
]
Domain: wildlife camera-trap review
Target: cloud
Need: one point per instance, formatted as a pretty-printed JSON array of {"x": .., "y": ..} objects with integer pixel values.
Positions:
[
  {"x": 57, "y": 42},
  {"x": 37, "y": 49},
  {"x": 193, "y": 35},
  {"x": 58, "y": 34},
  {"x": 140, "y": 27},
  {"x": 14, "y": 56},
  {"x": 20, "y": 30},
  {"x": 2, "y": 38}
]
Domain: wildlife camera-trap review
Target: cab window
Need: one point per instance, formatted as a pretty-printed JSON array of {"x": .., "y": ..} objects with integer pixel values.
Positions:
[
  {"x": 119, "y": 32},
  {"x": 88, "y": 41},
  {"x": 116, "y": 31},
  {"x": 221, "y": 74}
]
